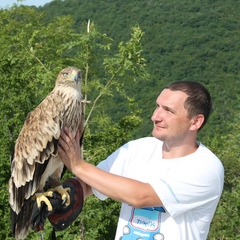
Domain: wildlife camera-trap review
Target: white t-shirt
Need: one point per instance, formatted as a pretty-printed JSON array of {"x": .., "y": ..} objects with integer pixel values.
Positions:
[{"x": 189, "y": 188}]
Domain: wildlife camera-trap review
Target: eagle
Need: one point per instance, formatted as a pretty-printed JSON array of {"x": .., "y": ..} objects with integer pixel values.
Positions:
[{"x": 36, "y": 165}]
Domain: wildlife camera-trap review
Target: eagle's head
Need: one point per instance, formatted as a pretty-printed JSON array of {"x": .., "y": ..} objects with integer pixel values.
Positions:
[{"x": 69, "y": 75}]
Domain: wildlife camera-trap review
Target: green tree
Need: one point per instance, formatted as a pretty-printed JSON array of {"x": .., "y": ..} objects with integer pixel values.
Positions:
[
  {"x": 32, "y": 53},
  {"x": 226, "y": 223}
]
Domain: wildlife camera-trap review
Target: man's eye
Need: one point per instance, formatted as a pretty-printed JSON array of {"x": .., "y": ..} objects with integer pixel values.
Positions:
[{"x": 169, "y": 110}]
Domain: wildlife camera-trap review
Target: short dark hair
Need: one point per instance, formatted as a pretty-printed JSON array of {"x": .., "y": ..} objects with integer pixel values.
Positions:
[{"x": 198, "y": 100}]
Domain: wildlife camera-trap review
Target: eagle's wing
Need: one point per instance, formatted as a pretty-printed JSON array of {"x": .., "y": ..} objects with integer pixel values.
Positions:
[
  {"x": 36, "y": 147},
  {"x": 36, "y": 143}
]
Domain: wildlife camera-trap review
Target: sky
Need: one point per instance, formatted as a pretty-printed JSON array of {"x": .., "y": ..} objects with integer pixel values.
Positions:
[{"x": 9, "y": 3}]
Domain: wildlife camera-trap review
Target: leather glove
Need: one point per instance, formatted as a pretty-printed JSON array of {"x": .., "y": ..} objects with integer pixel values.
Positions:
[{"x": 61, "y": 216}]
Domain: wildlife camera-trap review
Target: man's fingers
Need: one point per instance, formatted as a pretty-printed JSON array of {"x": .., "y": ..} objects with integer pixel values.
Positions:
[
  {"x": 62, "y": 151},
  {"x": 64, "y": 142},
  {"x": 77, "y": 136},
  {"x": 65, "y": 137},
  {"x": 67, "y": 133}
]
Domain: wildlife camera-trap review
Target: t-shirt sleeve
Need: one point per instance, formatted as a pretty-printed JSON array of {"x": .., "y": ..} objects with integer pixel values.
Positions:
[
  {"x": 188, "y": 186},
  {"x": 113, "y": 164}
]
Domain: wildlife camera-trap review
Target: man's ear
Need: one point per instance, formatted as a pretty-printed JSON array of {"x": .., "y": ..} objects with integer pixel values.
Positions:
[{"x": 197, "y": 122}]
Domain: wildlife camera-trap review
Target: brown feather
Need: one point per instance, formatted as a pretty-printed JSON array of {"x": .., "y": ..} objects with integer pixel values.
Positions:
[{"x": 35, "y": 156}]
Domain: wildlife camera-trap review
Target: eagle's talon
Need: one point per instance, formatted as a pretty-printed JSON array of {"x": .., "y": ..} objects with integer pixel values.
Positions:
[
  {"x": 65, "y": 196},
  {"x": 43, "y": 197},
  {"x": 63, "y": 192}
]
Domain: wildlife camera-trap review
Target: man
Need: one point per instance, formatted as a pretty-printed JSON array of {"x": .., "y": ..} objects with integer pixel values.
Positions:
[{"x": 169, "y": 184}]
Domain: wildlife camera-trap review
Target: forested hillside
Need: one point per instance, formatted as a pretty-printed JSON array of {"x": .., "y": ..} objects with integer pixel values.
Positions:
[
  {"x": 128, "y": 53},
  {"x": 195, "y": 40}
]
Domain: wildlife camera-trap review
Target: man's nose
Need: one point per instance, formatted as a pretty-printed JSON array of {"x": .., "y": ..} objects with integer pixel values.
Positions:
[{"x": 157, "y": 114}]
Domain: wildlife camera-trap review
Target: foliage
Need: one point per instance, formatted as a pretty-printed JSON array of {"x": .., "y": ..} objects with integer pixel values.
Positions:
[
  {"x": 192, "y": 40},
  {"x": 195, "y": 40},
  {"x": 226, "y": 223},
  {"x": 32, "y": 53},
  {"x": 23, "y": 37}
]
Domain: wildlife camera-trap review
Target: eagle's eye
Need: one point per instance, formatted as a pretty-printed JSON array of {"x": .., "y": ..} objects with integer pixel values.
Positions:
[{"x": 65, "y": 74}]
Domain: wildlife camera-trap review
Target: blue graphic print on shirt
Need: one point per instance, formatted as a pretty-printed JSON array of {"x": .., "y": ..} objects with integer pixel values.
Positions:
[{"x": 144, "y": 224}]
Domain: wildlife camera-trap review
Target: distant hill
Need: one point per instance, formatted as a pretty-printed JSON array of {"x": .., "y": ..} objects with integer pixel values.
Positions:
[{"x": 194, "y": 40}]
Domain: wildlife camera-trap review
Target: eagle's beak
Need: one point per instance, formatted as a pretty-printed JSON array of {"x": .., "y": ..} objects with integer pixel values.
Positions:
[{"x": 76, "y": 76}]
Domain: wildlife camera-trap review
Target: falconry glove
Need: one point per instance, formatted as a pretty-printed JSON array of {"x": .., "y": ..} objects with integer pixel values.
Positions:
[{"x": 60, "y": 215}]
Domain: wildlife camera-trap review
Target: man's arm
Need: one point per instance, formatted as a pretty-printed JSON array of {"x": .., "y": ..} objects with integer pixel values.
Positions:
[
  {"x": 130, "y": 191},
  {"x": 87, "y": 190}
]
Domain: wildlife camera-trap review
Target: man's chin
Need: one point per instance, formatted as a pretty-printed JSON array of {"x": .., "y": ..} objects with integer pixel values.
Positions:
[{"x": 157, "y": 135}]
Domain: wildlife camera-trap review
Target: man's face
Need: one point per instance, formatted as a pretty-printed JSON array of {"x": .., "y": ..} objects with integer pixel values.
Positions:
[{"x": 170, "y": 118}]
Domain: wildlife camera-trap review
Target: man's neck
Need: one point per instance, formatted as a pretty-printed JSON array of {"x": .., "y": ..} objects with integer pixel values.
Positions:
[{"x": 169, "y": 151}]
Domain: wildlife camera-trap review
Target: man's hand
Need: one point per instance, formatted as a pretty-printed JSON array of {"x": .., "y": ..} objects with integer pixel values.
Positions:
[
  {"x": 70, "y": 153},
  {"x": 69, "y": 149}
]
